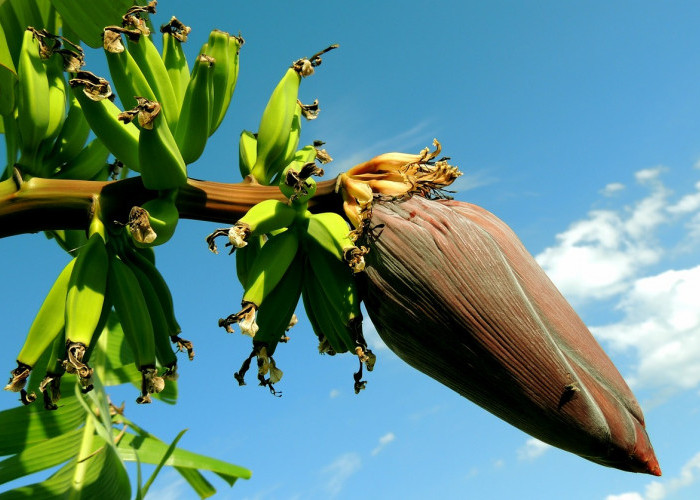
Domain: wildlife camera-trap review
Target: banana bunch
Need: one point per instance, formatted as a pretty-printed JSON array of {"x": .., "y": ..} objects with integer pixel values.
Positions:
[
  {"x": 109, "y": 275},
  {"x": 265, "y": 154},
  {"x": 284, "y": 253}
]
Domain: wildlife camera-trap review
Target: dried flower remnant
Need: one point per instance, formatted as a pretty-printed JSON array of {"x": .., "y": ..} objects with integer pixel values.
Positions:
[{"x": 452, "y": 291}]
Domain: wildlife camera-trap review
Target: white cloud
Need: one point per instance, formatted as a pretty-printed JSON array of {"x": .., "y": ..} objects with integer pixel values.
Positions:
[
  {"x": 601, "y": 256},
  {"x": 662, "y": 324},
  {"x": 334, "y": 393},
  {"x": 383, "y": 441},
  {"x": 659, "y": 490},
  {"x": 612, "y": 188},
  {"x": 339, "y": 471},
  {"x": 532, "y": 449}
]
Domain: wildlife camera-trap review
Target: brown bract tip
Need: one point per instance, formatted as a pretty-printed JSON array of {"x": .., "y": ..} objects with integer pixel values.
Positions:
[
  {"x": 140, "y": 226},
  {"x": 95, "y": 87},
  {"x": 177, "y": 29},
  {"x": 309, "y": 111},
  {"x": 18, "y": 377}
]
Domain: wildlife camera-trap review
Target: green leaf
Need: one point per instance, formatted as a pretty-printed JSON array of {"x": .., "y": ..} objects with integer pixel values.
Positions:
[
  {"x": 41, "y": 456},
  {"x": 197, "y": 481},
  {"x": 87, "y": 19},
  {"x": 150, "y": 450},
  {"x": 25, "y": 426},
  {"x": 105, "y": 477},
  {"x": 144, "y": 490},
  {"x": 8, "y": 83}
]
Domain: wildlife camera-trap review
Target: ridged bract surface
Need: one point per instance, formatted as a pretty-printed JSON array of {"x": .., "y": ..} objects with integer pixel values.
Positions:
[{"x": 454, "y": 293}]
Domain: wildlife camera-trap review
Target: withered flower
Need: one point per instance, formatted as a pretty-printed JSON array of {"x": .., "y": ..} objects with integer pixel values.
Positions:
[{"x": 454, "y": 293}]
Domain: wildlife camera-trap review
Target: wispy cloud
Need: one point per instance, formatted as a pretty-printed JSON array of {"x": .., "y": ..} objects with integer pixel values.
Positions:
[
  {"x": 659, "y": 490},
  {"x": 383, "y": 441},
  {"x": 334, "y": 393},
  {"x": 336, "y": 474},
  {"x": 532, "y": 449},
  {"x": 612, "y": 189}
]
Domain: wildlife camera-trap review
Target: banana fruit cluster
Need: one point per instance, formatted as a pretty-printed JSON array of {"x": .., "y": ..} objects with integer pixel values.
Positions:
[
  {"x": 109, "y": 275},
  {"x": 284, "y": 253}
]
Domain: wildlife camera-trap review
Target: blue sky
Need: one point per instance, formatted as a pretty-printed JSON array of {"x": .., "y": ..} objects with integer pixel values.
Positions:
[{"x": 574, "y": 122}]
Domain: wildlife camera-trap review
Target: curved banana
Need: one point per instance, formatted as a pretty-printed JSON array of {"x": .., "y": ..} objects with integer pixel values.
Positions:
[
  {"x": 47, "y": 325},
  {"x": 277, "y": 309},
  {"x": 174, "y": 35},
  {"x": 161, "y": 331},
  {"x": 151, "y": 64},
  {"x": 127, "y": 76},
  {"x": 58, "y": 98},
  {"x": 268, "y": 268},
  {"x": 130, "y": 305},
  {"x": 162, "y": 166},
  {"x": 247, "y": 152},
  {"x": 225, "y": 49},
  {"x": 122, "y": 139},
  {"x": 33, "y": 109},
  {"x": 72, "y": 136},
  {"x": 136, "y": 259},
  {"x": 155, "y": 221},
  {"x": 87, "y": 164},
  {"x": 191, "y": 135},
  {"x": 262, "y": 218},
  {"x": 246, "y": 255},
  {"x": 85, "y": 301},
  {"x": 332, "y": 233},
  {"x": 275, "y": 127}
]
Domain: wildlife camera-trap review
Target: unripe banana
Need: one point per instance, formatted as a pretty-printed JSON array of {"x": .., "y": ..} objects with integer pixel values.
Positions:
[
  {"x": 58, "y": 97},
  {"x": 331, "y": 232},
  {"x": 122, "y": 139},
  {"x": 262, "y": 218},
  {"x": 293, "y": 140},
  {"x": 191, "y": 135},
  {"x": 47, "y": 325},
  {"x": 33, "y": 113},
  {"x": 224, "y": 48},
  {"x": 72, "y": 136},
  {"x": 151, "y": 64},
  {"x": 275, "y": 127},
  {"x": 87, "y": 164},
  {"x": 245, "y": 257},
  {"x": 276, "y": 311},
  {"x": 174, "y": 35},
  {"x": 247, "y": 152},
  {"x": 268, "y": 268},
  {"x": 295, "y": 180},
  {"x": 84, "y": 302},
  {"x": 155, "y": 221},
  {"x": 127, "y": 77},
  {"x": 130, "y": 306},
  {"x": 162, "y": 166},
  {"x": 70, "y": 240},
  {"x": 161, "y": 331}
]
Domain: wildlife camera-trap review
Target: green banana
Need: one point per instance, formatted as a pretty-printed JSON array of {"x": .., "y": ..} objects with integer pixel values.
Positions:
[
  {"x": 87, "y": 164},
  {"x": 162, "y": 166},
  {"x": 224, "y": 48},
  {"x": 174, "y": 35},
  {"x": 85, "y": 301},
  {"x": 190, "y": 134},
  {"x": 70, "y": 240},
  {"x": 155, "y": 221},
  {"x": 33, "y": 109},
  {"x": 247, "y": 152},
  {"x": 151, "y": 64},
  {"x": 277, "y": 309},
  {"x": 130, "y": 305},
  {"x": 46, "y": 327},
  {"x": 58, "y": 98},
  {"x": 275, "y": 128},
  {"x": 161, "y": 331},
  {"x": 262, "y": 218},
  {"x": 127, "y": 76},
  {"x": 246, "y": 255},
  {"x": 296, "y": 181},
  {"x": 268, "y": 268},
  {"x": 325, "y": 321},
  {"x": 72, "y": 136},
  {"x": 136, "y": 258},
  {"x": 122, "y": 139},
  {"x": 332, "y": 233}
]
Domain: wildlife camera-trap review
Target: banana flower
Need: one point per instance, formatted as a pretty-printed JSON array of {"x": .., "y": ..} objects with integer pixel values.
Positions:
[{"x": 454, "y": 293}]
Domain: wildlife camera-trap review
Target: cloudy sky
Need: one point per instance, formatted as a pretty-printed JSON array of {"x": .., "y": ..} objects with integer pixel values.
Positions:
[{"x": 574, "y": 122}]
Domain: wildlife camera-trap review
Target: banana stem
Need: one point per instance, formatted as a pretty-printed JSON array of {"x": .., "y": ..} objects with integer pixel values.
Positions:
[{"x": 41, "y": 204}]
